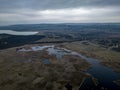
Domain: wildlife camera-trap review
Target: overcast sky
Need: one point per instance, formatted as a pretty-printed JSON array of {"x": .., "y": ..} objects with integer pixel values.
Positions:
[{"x": 58, "y": 11}]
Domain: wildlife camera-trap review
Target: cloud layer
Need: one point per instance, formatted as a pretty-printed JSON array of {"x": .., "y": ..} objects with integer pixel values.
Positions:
[{"x": 58, "y": 11}]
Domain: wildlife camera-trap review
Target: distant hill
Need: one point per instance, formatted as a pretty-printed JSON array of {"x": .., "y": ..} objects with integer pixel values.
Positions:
[
  {"x": 7, "y": 41},
  {"x": 66, "y": 26}
]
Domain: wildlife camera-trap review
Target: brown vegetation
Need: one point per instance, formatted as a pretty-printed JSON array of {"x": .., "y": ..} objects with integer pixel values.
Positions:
[{"x": 25, "y": 71}]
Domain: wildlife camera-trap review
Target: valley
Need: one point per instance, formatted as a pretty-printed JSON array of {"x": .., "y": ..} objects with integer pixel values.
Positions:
[{"x": 85, "y": 56}]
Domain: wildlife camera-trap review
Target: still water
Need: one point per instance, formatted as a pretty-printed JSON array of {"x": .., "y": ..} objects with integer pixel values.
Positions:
[
  {"x": 105, "y": 75},
  {"x": 12, "y": 32}
]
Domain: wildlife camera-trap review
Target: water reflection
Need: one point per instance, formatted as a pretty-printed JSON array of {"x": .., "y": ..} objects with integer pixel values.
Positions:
[
  {"x": 105, "y": 75},
  {"x": 46, "y": 61},
  {"x": 11, "y": 32}
]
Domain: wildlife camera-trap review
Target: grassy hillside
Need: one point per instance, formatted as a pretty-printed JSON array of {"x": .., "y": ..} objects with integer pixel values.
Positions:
[{"x": 107, "y": 57}]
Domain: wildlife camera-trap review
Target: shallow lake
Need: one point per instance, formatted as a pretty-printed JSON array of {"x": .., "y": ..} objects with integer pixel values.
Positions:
[
  {"x": 12, "y": 32},
  {"x": 105, "y": 75}
]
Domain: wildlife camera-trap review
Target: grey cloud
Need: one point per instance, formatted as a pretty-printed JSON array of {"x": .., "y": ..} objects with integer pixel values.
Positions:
[
  {"x": 27, "y": 11},
  {"x": 7, "y": 5}
]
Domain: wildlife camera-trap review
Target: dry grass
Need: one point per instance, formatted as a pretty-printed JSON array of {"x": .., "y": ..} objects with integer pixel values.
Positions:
[
  {"x": 107, "y": 57},
  {"x": 17, "y": 74}
]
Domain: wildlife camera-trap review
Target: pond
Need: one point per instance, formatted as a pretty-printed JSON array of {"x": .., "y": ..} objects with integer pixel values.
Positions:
[
  {"x": 12, "y": 32},
  {"x": 58, "y": 52},
  {"x": 46, "y": 61},
  {"x": 105, "y": 75}
]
